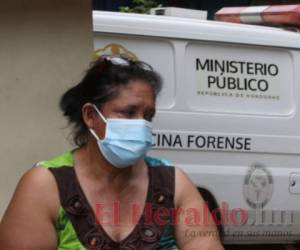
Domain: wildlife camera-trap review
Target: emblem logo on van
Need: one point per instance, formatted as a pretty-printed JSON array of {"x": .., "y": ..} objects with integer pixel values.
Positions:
[
  {"x": 258, "y": 186},
  {"x": 115, "y": 49}
]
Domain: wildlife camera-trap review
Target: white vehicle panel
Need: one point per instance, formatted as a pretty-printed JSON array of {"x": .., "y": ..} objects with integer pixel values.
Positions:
[{"x": 218, "y": 139}]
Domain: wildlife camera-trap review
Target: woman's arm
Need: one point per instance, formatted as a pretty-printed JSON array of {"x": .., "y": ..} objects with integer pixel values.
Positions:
[
  {"x": 29, "y": 219},
  {"x": 194, "y": 229}
]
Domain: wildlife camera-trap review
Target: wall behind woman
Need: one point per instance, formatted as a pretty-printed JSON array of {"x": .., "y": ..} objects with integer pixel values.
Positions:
[{"x": 44, "y": 47}]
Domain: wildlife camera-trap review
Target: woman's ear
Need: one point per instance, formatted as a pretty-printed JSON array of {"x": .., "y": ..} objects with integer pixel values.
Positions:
[{"x": 89, "y": 115}]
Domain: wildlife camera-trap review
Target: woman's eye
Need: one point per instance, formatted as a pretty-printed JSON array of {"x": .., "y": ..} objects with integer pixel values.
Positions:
[{"x": 127, "y": 113}]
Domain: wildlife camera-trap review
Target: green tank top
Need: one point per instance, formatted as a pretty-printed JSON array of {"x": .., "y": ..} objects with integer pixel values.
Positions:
[{"x": 66, "y": 234}]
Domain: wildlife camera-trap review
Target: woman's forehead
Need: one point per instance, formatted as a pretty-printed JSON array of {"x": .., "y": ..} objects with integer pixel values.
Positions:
[{"x": 136, "y": 91}]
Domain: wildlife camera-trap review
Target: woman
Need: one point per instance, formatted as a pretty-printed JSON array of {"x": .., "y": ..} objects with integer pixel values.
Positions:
[{"x": 92, "y": 197}]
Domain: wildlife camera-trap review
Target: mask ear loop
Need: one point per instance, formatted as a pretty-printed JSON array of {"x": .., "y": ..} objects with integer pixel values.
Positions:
[
  {"x": 99, "y": 113},
  {"x": 94, "y": 134},
  {"x": 102, "y": 117}
]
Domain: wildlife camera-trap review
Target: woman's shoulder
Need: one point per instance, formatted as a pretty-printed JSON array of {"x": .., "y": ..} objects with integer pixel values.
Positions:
[
  {"x": 32, "y": 210},
  {"x": 37, "y": 188},
  {"x": 36, "y": 191},
  {"x": 36, "y": 182}
]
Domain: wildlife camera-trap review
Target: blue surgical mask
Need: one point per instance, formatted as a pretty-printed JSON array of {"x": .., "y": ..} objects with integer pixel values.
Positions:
[{"x": 125, "y": 141}]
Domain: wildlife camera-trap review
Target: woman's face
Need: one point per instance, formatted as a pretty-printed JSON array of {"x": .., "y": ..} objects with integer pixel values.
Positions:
[{"x": 136, "y": 100}]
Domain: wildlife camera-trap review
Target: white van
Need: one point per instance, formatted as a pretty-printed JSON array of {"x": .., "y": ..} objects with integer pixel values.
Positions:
[{"x": 228, "y": 114}]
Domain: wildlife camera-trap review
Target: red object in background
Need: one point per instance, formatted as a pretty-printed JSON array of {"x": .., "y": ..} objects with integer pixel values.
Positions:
[
  {"x": 277, "y": 15},
  {"x": 285, "y": 14},
  {"x": 229, "y": 14}
]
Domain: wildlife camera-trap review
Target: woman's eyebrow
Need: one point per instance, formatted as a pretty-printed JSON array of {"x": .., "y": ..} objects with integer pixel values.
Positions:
[
  {"x": 150, "y": 110},
  {"x": 131, "y": 106}
]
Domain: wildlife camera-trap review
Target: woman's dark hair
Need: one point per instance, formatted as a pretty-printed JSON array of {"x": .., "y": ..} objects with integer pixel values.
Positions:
[{"x": 102, "y": 83}]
